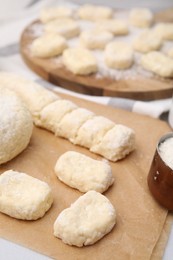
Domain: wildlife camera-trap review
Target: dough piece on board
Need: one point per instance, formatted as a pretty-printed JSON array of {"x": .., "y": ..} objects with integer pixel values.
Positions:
[
  {"x": 86, "y": 221},
  {"x": 15, "y": 125},
  {"x": 79, "y": 61},
  {"x": 48, "y": 45},
  {"x": 164, "y": 30},
  {"x": 83, "y": 173},
  {"x": 115, "y": 26},
  {"x": 52, "y": 114},
  {"x": 34, "y": 95},
  {"x": 94, "y": 12},
  {"x": 95, "y": 38},
  {"x": 147, "y": 41},
  {"x": 51, "y": 13},
  {"x": 141, "y": 17},
  {"x": 66, "y": 27},
  {"x": 170, "y": 52},
  {"x": 158, "y": 63},
  {"x": 116, "y": 143},
  {"x": 24, "y": 197},
  {"x": 118, "y": 55},
  {"x": 93, "y": 130},
  {"x": 71, "y": 122}
]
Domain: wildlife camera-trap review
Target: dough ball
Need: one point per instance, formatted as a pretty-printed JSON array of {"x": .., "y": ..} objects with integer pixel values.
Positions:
[
  {"x": 83, "y": 173},
  {"x": 118, "y": 55},
  {"x": 66, "y": 27},
  {"x": 115, "y": 26},
  {"x": 141, "y": 17},
  {"x": 116, "y": 143},
  {"x": 15, "y": 125},
  {"x": 158, "y": 63},
  {"x": 48, "y": 45},
  {"x": 24, "y": 197},
  {"x": 52, "y": 114},
  {"x": 164, "y": 30},
  {"x": 95, "y": 38},
  {"x": 94, "y": 12},
  {"x": 147, "y": 41},
  {"x": 52, "y": 13},
  {"x": 93, "y": 130},
  {"x": 86, "y": 221},
  {"x": 80, "y": 61}
]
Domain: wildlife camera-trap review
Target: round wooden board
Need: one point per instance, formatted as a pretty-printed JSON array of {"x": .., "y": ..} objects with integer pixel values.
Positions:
[{"x": 140, "y": 88}]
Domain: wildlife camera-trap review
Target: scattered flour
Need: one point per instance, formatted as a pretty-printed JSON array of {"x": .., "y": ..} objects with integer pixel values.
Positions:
[
  {"x": 166, "y": 152},
  {"x": 103, "y": 71}
]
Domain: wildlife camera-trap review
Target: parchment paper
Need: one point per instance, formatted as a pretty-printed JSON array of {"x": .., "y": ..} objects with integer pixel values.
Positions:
[{"x": 140, "y": 220}]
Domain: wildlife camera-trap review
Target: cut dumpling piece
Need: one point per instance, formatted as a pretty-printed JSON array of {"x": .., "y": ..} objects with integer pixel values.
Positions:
[
  {"x": 118, "y": 55},
  {"x": 71, "y": 122},
  {"x": 170, "y": 52},
  {"x": 95, "y": 38},
  {"x": 115, "y": 26},
  {"x": 158, "y": 63},
  {"x": 93, "y": 130},
  {"x": 83, "y": 173},
  {"x": 34, "y": 95},
  {"x": 48, "y": 45},
  {"x": 66, "y": 27},
  {"x": 94, "y": 12},
  {"x": 24, "y": 197},
  {"x": 116, "y": 143},
  {"x": 147, "y": 41},
  {"x": 15, "y": 125},
  {"x": 51, "y": 13},
  {"x": 86, "y": 221},
  {"x": 52, "y": 114},
  {"x": 164, "y": 30},
  {"x": 79, "y": 61},
  {"x": 141, "y": 17}
]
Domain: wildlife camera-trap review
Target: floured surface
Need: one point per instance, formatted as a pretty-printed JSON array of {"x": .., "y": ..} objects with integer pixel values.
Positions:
[
  {"x": 134, "y": 82},
  {"x": 137, "y": 212}
]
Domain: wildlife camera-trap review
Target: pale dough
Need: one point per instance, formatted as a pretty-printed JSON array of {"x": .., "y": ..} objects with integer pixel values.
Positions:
[
  {"x": 65, "y": 119},
  {"x": 141, "y": 17},
  {"x": 158, "y": 63},
  {"x": 164, "y": 30},
  {"x": 80, "y": 61},
  {"x": 24, "y": 197},
  {"x": 66, "y": 27},
  {"x": 147, "y": 41},
  {"x": 93, "y": 130},
  {"x": 34, "y": 95},
  {"x": 116, "y": 143},
  {"x": 86, "y": 221},
  {"x": 115, "y": 26},
  {"x": 71, "y": 122},
  {"x": 52, "y": 114},
  {"x": 83, "y": 173},
  {"x": 170, "y": 52},
  {"x": 94, "y": 12},
  {"x": 119, "y": 55},
  {"x": 15, "y": 125},
  {"x": 95, "y": 38},
  {"x": 48, "y": 45},
  {"x": 51, "y": 13}
]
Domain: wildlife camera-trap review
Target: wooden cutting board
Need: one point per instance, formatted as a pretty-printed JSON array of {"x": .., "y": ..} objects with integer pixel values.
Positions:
[
  {"x": 137, "y": 212},
  {"x": 140, "y": 88}
]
